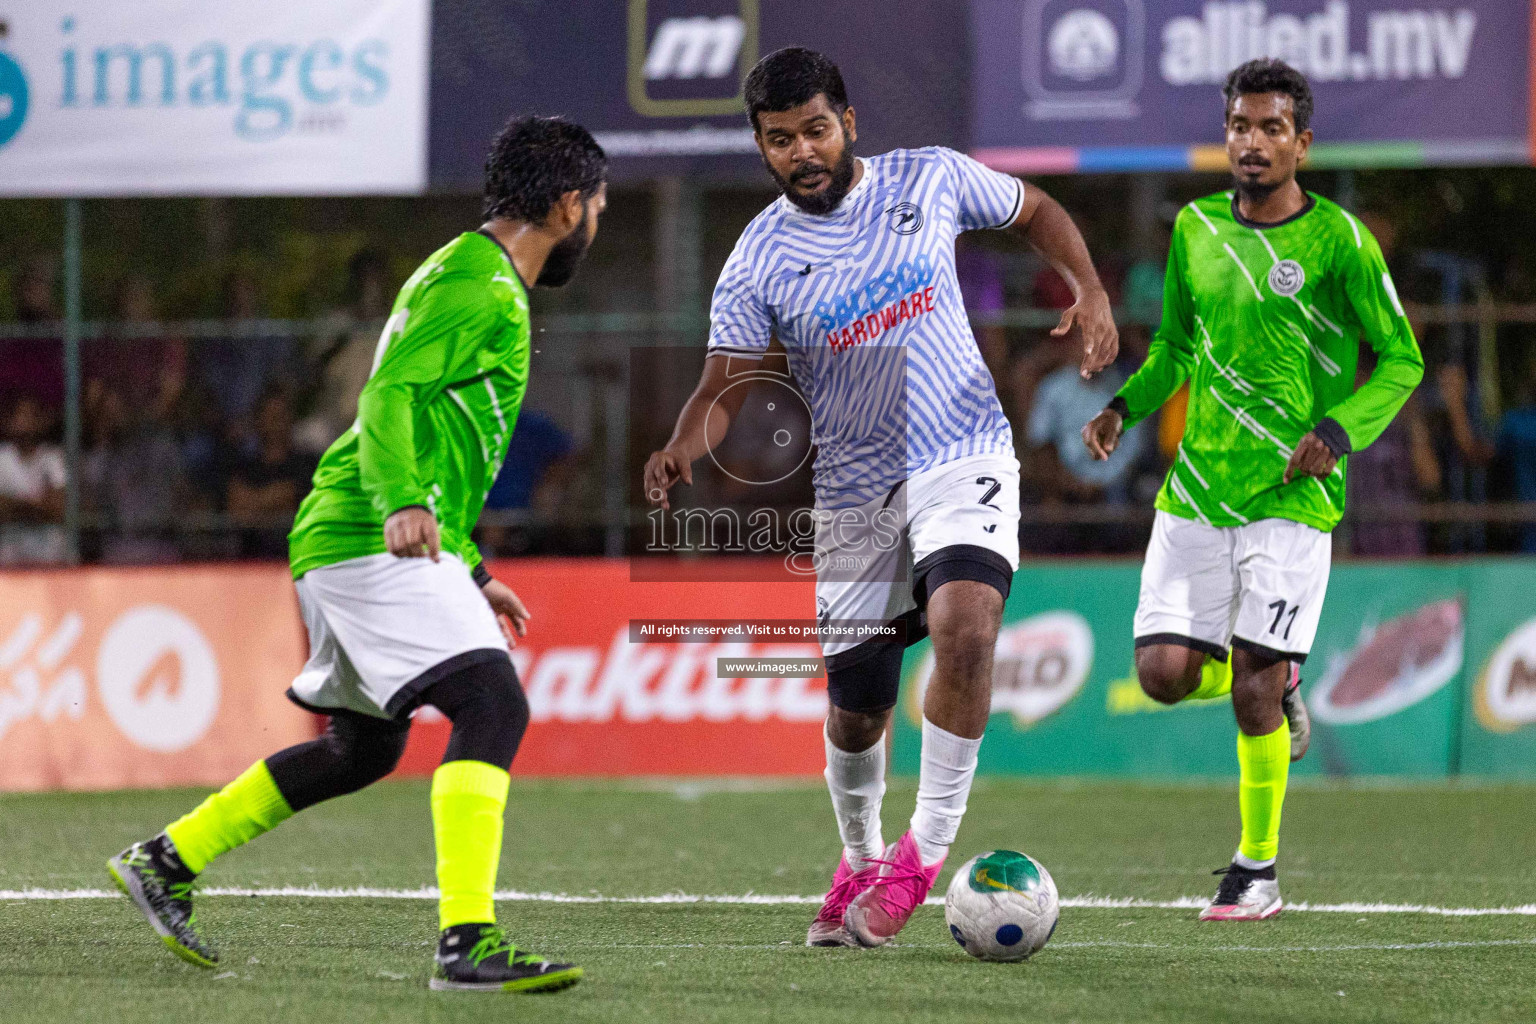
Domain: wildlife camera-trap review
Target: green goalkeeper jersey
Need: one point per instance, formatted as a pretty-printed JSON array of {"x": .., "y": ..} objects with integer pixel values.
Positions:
[
  {"x": 1265, "y": 323},
  {"x": 435, "y": 417}
]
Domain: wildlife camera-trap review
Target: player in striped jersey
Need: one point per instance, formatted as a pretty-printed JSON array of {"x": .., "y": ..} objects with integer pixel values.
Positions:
[
  {"x": 851, "y": 275},
  {"x": 1269, "y": 292}
]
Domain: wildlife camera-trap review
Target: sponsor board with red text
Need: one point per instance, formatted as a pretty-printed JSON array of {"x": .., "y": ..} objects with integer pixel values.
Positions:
[{"x": 605, "y": 704}]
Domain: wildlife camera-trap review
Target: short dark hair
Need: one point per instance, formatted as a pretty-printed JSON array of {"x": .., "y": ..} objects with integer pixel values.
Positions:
[
  {"x": 536, "y": 160},
  {"x": 787, "y": 78},
  {"x": 1266, "y": 74}
]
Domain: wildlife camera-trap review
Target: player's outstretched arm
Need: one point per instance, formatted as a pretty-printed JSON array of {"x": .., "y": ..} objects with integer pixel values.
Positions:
[
  {"x": 702, "y": 424},
  {"x": 1049, "y": 230}
]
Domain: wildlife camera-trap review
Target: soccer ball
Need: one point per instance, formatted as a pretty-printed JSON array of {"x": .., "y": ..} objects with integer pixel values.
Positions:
[{"x": 1001, "y": 906}]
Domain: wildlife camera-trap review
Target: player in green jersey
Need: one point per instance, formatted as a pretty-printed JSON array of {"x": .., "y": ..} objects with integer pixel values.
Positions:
[
  {"x": 1269, "y": 292},
  {"x": 398, "y": 608}
]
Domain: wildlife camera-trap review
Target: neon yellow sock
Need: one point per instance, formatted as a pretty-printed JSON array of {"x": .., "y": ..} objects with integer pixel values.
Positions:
[
  {"x": 1264, "y": 763},
  {"x": 469, "y": 800},
  {"x": 1215, "y": 680},
  {"x": 233, "y": 816}
]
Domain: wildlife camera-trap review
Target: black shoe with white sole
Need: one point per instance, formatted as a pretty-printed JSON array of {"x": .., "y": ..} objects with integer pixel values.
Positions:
[{"x": 478, "y": 958}]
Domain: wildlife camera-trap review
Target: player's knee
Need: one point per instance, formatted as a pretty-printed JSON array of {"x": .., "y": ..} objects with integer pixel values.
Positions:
[
  {"x": 366, "y": 753},
  {"x": 963, "y": 644},
  {"x": 855, "y": 731},
  {"x": 488, "y": 709},
  {"x": 1167, "y": 674}
]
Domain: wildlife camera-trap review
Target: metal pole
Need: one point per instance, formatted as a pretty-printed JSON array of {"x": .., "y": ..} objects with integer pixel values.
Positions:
[{"x": 72, "y": 236}]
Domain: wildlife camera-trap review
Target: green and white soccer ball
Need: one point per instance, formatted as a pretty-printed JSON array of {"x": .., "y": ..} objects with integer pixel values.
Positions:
[{"x": 1001, "y": 906}]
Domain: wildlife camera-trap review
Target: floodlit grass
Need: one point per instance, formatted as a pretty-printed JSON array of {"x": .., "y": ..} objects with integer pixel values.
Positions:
[{"x": 367, "y": 959}]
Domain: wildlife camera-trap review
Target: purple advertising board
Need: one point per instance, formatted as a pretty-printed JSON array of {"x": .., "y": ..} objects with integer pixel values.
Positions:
[
  {"x": 1116, "y": 85},
  {"x": 659, "y": 81}
]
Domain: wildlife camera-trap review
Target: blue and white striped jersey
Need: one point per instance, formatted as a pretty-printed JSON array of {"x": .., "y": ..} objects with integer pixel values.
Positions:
[{"x": 866, "y": 304}]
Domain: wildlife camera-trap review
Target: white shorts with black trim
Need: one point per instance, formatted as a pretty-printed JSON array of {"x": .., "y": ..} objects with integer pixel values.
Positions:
[
  {"x": 870, "y": 557},
  {"x": 382, "y": 629},
  {"x": 1258, "y": 586}
]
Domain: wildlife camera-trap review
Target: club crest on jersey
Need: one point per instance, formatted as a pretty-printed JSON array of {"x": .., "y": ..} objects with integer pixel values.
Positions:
[
  {"x": 1286, "y": 278},
  {"x": 905, "y": 218}
]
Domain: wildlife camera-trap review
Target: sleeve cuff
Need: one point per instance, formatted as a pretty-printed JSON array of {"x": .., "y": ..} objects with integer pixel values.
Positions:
[
  {"x": 1119, "y": 405},
  {"x": 1333, "y": 435},
  {"x": 481, "y": 574}
]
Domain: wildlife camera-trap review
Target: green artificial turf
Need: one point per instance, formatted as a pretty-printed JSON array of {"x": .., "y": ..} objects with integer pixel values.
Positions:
[{"x": 367, "y": 959}]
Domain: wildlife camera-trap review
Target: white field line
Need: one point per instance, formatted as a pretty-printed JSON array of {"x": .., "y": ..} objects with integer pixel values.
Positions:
[
  {"x": 766, "y": 899},
  {"x": 1088, "y": 944}
]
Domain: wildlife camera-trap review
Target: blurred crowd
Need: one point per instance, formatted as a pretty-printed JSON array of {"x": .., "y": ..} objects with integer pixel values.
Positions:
[{"x": 202, "y": 447}]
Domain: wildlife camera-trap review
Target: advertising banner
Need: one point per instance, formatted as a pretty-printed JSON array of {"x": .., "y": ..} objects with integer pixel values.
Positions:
[
  {"x": 607, "y": 699},
  {"x": 115, "y": 678},
  {"x": 1499, "y": 716},
  {"x": 119, "y": 678},
  {"x": 659, "y": 81},
  {"x": 1124, "y": 85},
  {"x": 1419, "y": 669},
  {"x": 184, "y": 97}
]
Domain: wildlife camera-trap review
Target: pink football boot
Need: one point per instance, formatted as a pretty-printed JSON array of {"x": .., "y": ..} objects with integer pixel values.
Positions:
[
  {"x": 877, "y": 914},
  {"x": 828, "y": 928}
]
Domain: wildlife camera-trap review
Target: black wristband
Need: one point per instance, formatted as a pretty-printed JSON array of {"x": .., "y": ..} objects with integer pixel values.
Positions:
[
  {"x": 1119, "y": 406},
  {"x": 1331, "y": 434},
  {"x": 482, "y": 575}
]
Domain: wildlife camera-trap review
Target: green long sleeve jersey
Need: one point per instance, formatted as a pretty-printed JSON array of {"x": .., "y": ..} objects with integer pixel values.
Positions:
[
  {"x": 435, "y": 417},
  {"x": 1265, "y": 322}
]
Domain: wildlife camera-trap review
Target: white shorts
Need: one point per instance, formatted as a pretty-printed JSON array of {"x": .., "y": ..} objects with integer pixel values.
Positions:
[
  {"x": 382, "y": 629},
  {"x": 1259, "y": 586},
  {"x": 869, "y": 557}
]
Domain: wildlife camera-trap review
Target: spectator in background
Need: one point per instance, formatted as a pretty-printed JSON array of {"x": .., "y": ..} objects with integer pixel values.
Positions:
[
  {"x": 1516, "y": 452},
  {"x": 1063, "y": 403},
  {"x": 1399, "y": 468},
  {"x": 268, "y": 480},
  {"x": 132, "y": 484},
  {"x": 31, "y": 488},
  {"x": 981, "y": 287},
  {"x": 534, "y": 477},
  {"x": 1061, "y": 465},
  {"x": 340, "y": 355},
  {"x": 239, "y": 367},
  {"x": 32, "y": 363},
  {"x": 146, "y": 367}
]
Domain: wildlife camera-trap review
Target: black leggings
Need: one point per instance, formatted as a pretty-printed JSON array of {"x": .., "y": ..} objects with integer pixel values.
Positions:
[{"x": 484, "y": 701}]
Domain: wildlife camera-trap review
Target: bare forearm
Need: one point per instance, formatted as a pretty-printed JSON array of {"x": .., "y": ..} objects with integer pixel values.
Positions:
[
  {"x": 701, "y": 425},
  {"x": 1051, "y": 232}
]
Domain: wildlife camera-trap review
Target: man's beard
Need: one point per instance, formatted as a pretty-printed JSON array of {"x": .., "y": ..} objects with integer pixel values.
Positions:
[
  {"x": 823, "y": 202},
  {"x": 1256, "y": 191},
  {"x": 560, "y": 266}
]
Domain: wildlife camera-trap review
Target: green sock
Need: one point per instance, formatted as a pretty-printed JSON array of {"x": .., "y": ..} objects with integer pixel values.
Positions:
[
  {"x": 469, "y": 800},
  {"x": 234, "y": 815},
  {"x": 1264, "y": 762},
  {"x": 1215, "y": 680}
]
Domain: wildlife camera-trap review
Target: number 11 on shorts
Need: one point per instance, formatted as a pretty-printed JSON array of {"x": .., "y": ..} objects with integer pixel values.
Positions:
[{"x": 1279, "y": 608}]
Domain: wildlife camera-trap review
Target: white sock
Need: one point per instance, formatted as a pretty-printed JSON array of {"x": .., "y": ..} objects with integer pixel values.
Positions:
[
  {"x": 857, "y": 784},
  {"x": 1250, "y": 863},
  {"x": 943, "y": 784}
]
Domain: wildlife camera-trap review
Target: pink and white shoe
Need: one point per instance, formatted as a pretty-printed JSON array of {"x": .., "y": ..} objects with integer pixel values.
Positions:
[
  {"x": 828, "y": 928},
  {"x": 1245, "y": 895},
  {"x": 878, "y": 913}
]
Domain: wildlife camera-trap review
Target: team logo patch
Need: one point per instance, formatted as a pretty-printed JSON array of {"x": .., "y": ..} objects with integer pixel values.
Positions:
[
  {"x": 905, "y": 218},
  {"x": 1287, "y": 278}
]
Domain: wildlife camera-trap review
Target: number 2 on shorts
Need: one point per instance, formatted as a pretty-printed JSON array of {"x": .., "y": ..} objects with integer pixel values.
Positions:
[{"x": 1279, "y": 607}]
